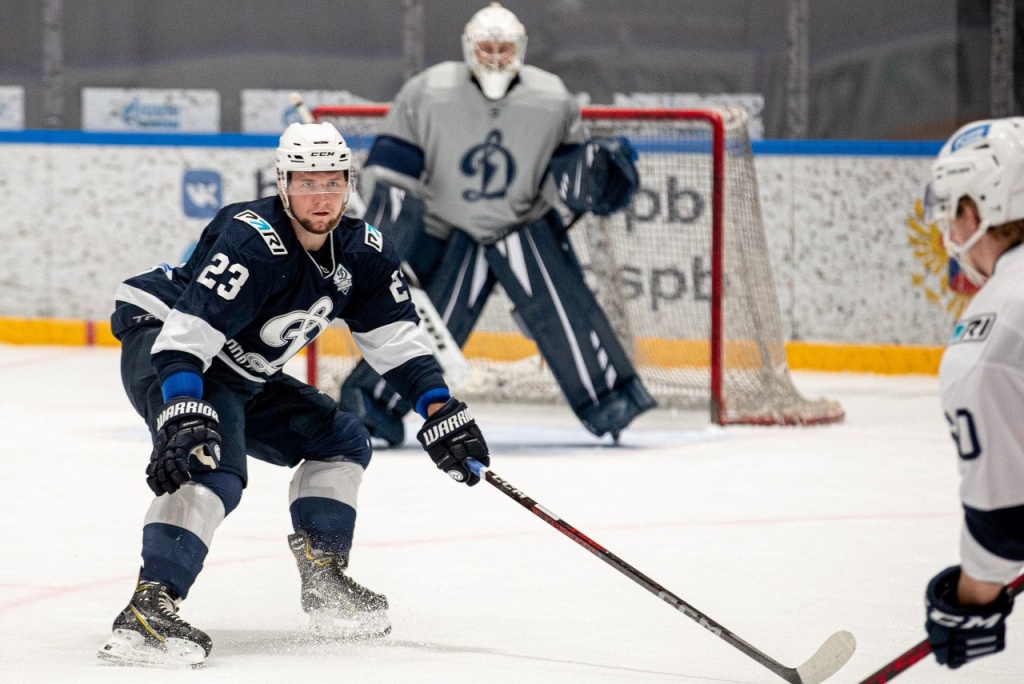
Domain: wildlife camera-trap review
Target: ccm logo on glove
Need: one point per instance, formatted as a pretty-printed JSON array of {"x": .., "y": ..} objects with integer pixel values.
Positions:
[{"x": 964, "y": 621}]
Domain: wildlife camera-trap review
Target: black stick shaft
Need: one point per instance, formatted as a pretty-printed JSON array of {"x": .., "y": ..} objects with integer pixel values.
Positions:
[{"x": 787, "y": 673}]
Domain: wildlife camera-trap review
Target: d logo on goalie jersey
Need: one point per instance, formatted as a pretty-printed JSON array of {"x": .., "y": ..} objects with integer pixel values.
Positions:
[{"x": 491, "y": 164}]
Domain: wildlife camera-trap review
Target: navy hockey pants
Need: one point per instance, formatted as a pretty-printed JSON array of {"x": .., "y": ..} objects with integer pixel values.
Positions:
[{"x": 283, "y": 421}]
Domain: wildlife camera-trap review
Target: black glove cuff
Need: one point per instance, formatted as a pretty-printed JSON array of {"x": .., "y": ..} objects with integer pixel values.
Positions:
[{"x": 942, "y": 594}]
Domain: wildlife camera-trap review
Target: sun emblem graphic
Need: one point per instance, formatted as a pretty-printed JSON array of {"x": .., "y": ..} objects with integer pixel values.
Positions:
[{"x": 933, "y": 276}]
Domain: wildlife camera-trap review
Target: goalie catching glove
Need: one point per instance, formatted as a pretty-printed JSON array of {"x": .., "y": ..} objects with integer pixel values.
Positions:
[
  {"x": 450, "y": 436},
  {"x": 959, "y": 634},
  {"x": 598, "y": 176},
  {"x": 186, "y": 441}
]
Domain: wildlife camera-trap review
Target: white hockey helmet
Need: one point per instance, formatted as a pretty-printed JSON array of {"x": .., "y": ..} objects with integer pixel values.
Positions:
[
  {"x": 311, "y": 147},
  {"x": 984, "y": 161},
  {"x": 494, "y": 46}
]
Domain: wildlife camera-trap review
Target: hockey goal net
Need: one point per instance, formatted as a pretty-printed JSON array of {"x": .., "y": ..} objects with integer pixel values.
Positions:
[{"x": 683, "y": 274}]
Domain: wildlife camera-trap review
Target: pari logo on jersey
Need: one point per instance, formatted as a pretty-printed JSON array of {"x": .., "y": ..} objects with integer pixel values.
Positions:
[
  {"x": 492, "y": 165},
  {"x": 974, "y": 329},
  {"x": 201, "y": 193},
  {"x": 265, "y": 230}
]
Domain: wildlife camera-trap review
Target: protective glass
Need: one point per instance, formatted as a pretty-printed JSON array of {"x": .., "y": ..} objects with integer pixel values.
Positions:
[
  {"x": 317, "y": 186},
  {"x": 938, "y": 204}
]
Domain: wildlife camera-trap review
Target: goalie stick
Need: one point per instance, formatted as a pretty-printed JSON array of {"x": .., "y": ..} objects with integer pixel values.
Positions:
[
  {"x": 825, "y": 662},
  {"x": 921, "y": 650},
  {"x": 446, "y": 350}
]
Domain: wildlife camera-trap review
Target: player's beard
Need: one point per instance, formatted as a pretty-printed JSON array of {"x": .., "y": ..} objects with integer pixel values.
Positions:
[{"x": 319, "y": 226}]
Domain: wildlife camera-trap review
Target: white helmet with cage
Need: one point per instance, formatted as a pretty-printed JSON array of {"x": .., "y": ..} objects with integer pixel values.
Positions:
[
  {"x": 984, "y": 161},
  {"x": 494, "y": 46},
  {"x": 311, "y": 147}
]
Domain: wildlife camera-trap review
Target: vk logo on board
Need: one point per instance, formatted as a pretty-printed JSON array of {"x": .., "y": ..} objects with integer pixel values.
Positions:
[
  {"x": 492, "y": 165},
  {"x": 201, "y": 193}
]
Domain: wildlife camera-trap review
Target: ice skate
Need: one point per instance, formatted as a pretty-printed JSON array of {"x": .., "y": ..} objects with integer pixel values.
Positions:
[
  {"x": 338, "y": 607},
  {"x": 149, "y": 632}
]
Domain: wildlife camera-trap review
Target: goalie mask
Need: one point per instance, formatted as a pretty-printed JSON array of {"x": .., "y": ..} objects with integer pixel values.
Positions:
[
  {"x": 984, "y": 161},
  {"x": 494, "y": 46},
  {"x": 312, "y": 147}
]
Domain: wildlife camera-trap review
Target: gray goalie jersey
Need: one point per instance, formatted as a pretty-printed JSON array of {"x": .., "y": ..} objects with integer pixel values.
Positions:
[
  {"x": 981, "y": 381},
  {"x": 484, "y": 161}
]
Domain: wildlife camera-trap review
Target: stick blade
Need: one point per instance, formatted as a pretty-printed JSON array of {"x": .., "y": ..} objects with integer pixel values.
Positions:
[{"x": 828, "y": 659}]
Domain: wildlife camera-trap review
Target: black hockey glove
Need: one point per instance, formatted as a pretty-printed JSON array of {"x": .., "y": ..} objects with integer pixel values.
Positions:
[
  {"x": 451, "y": 436},
  {"x": 187, "y": 440},
  {"x": 599, "y": 176},
  {"x": 959, "y": 634}
]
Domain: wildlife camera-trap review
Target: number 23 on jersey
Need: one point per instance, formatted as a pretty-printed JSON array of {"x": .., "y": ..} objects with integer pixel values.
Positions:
[{"x": 220, "y": 264}]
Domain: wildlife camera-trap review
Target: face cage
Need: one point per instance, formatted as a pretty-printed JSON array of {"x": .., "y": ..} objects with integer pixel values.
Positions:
[{"x": 493, "y": 80}]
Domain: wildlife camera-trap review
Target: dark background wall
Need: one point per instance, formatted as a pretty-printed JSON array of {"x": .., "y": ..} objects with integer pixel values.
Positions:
[{"x": 878, "y": 68}]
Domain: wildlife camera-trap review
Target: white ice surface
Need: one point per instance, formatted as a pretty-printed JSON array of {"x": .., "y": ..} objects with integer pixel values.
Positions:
[{"x": 784, "y": 536}]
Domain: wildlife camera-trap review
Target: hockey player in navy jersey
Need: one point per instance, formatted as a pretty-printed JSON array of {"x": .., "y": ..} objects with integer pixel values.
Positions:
[
  {"x": 977, "y": 196},
  {"x": 203, "y": 347},
  {"x": 473, "y": 158}
]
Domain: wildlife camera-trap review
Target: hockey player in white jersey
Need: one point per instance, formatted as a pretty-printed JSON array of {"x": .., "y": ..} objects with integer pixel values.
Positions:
[
  {"x": 471, "y": 162},
  {"x": 977, "y": 196},
  {"x": 203, "y": 350}
]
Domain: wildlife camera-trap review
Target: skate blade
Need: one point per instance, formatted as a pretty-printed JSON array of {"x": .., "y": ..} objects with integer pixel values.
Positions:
[
  {"x": 126, "y": 647},
  {"x": 366, "y": 626}
]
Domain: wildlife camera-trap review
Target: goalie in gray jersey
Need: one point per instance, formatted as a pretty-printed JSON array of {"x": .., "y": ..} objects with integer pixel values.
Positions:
[
  {"x": 977, "y": 196},
  {"x": 465, "y": 177}
]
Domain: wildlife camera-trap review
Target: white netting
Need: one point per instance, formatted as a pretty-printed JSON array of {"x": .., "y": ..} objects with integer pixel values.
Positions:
[{"x": 651, "y": 269}]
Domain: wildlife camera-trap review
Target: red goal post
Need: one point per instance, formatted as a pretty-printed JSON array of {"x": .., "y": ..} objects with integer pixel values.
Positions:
[{"x": 713, "y": 337}]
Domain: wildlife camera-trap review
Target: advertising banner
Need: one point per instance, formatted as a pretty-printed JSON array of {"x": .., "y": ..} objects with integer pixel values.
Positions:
[
  {"x": 150, "y": 110},
  {"x": 12, "y": 108}
]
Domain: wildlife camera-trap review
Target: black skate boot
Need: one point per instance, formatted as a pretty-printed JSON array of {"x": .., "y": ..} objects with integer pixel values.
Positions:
[
  {"x": 338, "y": 607},
  {"x": 149, "y": 632}
]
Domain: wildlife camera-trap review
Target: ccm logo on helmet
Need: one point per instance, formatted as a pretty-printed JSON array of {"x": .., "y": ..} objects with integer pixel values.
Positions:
[
  {"x": 329, "y": 153},
  {"x": 183, "y": 408}
]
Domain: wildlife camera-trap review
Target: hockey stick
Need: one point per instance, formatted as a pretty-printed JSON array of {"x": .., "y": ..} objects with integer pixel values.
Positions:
[
  {"x": 446, "y": 351},
  {"x": 825, "y": 662},
  {"x": 921, "y": 650}
]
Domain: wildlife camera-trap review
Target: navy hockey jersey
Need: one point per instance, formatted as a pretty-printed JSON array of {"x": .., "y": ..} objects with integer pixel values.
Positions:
[{"x": 251, "y": 296}]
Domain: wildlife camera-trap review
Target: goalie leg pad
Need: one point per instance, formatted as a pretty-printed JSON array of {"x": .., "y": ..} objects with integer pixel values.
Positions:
[
  {"x": 462, "y": 285},
  {"x": 368, "y": 396},
  {"x": 541, "y": 275},
  {"x": 458, "y": 288}
]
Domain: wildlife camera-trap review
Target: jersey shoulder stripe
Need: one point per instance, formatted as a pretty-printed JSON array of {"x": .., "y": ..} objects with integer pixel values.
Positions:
[{"x": 263, "y": 228}]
